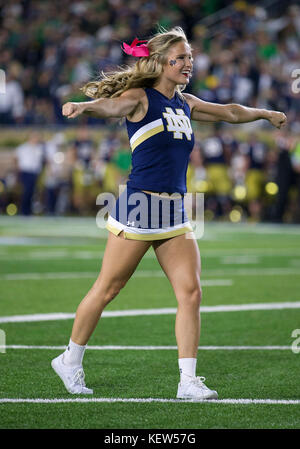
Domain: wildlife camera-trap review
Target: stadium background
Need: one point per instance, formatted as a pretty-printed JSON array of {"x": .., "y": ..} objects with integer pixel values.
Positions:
[
  {"x": 244, "y": 52},
  {"x": 249, "y": 350}
]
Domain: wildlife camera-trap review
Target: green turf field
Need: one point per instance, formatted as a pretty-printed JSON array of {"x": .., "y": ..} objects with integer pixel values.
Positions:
[{"x": 46, "y": 267}]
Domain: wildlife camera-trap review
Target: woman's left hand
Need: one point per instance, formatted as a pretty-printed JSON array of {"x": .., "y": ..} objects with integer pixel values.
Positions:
[{"x": 277, "y": 119}]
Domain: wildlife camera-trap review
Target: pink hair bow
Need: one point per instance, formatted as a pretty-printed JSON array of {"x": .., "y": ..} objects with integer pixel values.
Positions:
[{"x": 134, "y": 50}]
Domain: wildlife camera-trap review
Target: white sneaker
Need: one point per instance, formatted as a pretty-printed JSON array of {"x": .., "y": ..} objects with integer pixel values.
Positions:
[
  {"x": 73, "y": 378},
  {"x": 195, "y": 389}
]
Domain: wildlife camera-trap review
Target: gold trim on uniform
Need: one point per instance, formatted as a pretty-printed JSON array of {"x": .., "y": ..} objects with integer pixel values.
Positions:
[
  {"x": 145, "y": 132},
  {"x": 150, "y": 236}
]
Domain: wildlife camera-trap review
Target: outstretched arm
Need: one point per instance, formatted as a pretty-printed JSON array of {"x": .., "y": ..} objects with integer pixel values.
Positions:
[
  {"x": 117, "y": 107},
  {"x": 204, "y": 111}
]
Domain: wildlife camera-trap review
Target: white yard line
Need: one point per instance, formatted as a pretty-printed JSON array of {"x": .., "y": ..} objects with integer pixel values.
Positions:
[
  {"x": 88, "y": 254},
  {"x": 42, "y": 276},
  {"x": 143, "y": 312},
  {"x": 147, "y": 400},
  {"x": 279, "y": 271},
  {"x": 75, "y": 275},
  {"x": 240, "y": 260},
  {"x": 155, "y": 348}
]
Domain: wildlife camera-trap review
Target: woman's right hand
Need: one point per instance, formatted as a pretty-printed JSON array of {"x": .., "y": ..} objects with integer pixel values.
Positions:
[{"x": 72, "y": 110}]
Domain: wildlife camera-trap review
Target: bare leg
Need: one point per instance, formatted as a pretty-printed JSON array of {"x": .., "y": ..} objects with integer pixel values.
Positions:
[
  {"x": 120, "y": 260},
  {"x": 180, "y": 259}
]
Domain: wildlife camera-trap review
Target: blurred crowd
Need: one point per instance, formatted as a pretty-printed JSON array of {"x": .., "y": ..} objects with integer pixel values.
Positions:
[
  {"x": 242, "y": 179},
  {"x": 247, "y": 55},
  {"x": 244, "y": 52}
]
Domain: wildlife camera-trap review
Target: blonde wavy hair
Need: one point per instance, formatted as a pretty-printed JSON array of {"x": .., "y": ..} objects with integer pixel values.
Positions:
[{"x": 144, "y": 73}]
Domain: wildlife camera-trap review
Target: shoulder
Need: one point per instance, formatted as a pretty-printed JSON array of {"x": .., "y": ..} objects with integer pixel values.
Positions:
[
  {"x": 190, "y": 99},
  {"x": 139, "y": 96},
  {"x": 134, "y": 93}
]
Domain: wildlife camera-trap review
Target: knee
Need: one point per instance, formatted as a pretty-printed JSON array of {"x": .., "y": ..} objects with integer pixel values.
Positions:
[
  {"x": 191, "y": 297},
  {"x": 196, "y": 296},
  {"x": 108, "y": 291}
]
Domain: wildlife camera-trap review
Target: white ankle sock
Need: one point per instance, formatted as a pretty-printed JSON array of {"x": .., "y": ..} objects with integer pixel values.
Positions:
[
  {"x": 74, "y": 353},
  {"x": 187, "y": 369}
]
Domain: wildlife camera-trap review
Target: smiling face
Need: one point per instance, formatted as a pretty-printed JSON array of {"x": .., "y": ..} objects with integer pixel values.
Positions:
[{"x": 179, "y": 65}]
